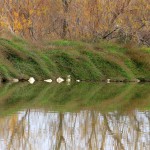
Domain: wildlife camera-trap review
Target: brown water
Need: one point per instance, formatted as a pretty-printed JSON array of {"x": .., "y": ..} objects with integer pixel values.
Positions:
[{"x": 75, "y": 117}]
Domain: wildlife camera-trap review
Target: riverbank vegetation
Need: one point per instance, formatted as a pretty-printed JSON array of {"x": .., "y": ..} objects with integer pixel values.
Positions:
[
  {"x": 90, "y": 40},
  {"x": 85, "y": 61}
]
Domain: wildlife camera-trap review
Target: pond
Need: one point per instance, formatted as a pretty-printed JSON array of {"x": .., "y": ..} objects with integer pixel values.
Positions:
[{"x": 81, "y": 116}]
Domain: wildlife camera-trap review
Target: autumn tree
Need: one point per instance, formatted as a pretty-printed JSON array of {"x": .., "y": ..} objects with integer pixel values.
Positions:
[{"x": 87, "y": 19}]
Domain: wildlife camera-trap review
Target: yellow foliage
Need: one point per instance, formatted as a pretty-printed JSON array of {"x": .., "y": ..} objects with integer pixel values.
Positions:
[
  {"x": 31, "y": 11},
  {"x": 83, "y": 17},
  {"x": 16, "y": 15},
  {"x": 17, "y": 25}
]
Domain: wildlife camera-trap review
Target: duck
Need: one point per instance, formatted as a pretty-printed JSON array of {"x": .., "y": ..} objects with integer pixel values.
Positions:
[
  {"x": 108, "y": 80},
  {"x": 49, "y": 80},
  {"x": 15, "y": 80},
  {"x": 68, "y": 78},
  {"x": 31, "y": 80},
  {"x": 78, "y": 81},
  {"x": 60, "y": 80}
]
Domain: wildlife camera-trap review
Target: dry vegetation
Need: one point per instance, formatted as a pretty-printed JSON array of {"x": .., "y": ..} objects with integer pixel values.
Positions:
[{"x": 125, "y": 20}]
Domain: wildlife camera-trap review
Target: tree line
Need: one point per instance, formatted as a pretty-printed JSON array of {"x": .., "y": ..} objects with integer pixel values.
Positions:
[{"x": 125, "y": 20}]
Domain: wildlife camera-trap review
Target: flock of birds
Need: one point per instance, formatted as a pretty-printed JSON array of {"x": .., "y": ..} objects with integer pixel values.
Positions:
[{"x": 58, "y": 80}]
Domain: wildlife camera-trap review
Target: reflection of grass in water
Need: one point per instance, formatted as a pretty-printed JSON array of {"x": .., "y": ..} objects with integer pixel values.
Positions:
[{"x": 75, "y": 97}]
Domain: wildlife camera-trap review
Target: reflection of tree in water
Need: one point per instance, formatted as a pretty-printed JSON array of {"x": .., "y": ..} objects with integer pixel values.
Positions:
[
  {"x": 18, "y": 132},
  {"x": 83, "y": 130},
  {"x": 60, "y": 138}
]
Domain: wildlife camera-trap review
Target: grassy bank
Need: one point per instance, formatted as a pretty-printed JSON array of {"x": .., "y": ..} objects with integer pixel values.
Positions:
[{"x": 84, "y": 61}]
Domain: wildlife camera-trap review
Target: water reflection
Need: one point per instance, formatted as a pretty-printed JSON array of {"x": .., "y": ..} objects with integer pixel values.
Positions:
[
  {"x": 75, "y": 117},
  {"x": 39, "y": 130}
]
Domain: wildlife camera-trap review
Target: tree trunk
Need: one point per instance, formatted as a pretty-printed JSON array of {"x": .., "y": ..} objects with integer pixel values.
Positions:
[{"x": 65, "y": 23}]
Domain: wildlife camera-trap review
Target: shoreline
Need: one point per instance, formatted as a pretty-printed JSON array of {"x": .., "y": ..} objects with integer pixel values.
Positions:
[{"x": 4, "y": 80}]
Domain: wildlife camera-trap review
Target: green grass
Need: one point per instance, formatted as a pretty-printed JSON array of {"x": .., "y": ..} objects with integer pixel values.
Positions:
[{"x": 84, "y": 61}]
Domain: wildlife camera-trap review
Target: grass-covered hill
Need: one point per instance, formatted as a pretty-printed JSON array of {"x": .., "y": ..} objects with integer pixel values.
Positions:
[{"x": 84, "y": 61}]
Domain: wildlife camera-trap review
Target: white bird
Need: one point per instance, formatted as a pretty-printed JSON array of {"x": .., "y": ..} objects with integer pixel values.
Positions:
[
  {"x": 68, "y": 78},
  {"x": 31, "y": 80},
  {"x": 108, "y": 80},
  {"x": 15, "y": 80},
  {"x": 137, "y": 80},
  {"x": 78, "y": 81},
  {"x": 60, "y": 80},
  {"x": 49, "y": 80}
]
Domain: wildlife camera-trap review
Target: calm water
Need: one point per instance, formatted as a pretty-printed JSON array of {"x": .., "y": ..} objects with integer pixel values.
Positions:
[{"x": 81, "y": 116}]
